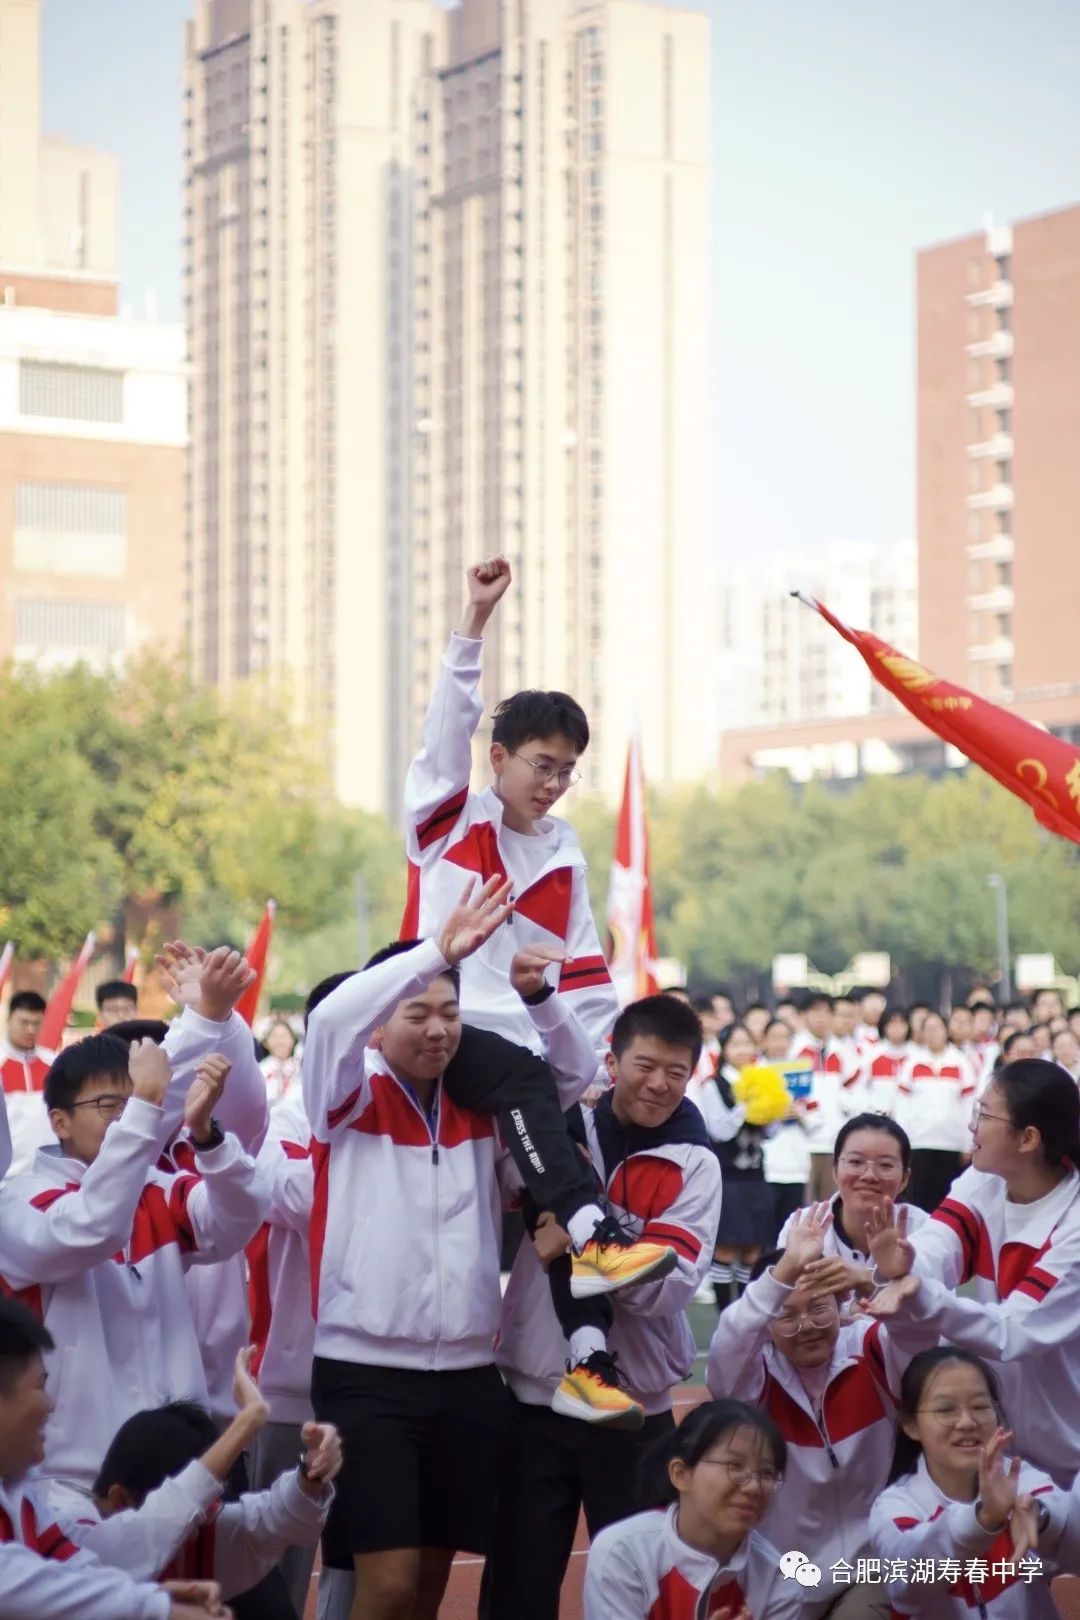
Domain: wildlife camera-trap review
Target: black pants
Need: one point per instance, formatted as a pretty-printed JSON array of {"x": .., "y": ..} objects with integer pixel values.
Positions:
[
  {"x": 933, "y": 1172},
  {"x": 491, "y": 1075},
  {"x": 555, "y": 1467},
  {"x": 571, "y": 1313},
  {"x": 787, "y": 1197}
]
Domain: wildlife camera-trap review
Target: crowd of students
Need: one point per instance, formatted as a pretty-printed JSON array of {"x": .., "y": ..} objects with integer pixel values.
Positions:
[{"x": 247, "y": 1310}]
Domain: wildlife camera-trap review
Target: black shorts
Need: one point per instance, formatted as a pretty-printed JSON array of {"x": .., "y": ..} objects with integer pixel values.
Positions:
[{"x": 423, "y": 1454}]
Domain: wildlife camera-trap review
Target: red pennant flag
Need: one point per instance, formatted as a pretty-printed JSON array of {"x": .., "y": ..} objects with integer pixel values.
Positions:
[
  {"x": 130, "y": 965},
  {"x": 7, "y": 956},
  {"x": 60, "y": 1002},
  {"x": 630, "y": 908},
  {"x": 257, "y": 953},
  {"x": 1040, "y": 769}
]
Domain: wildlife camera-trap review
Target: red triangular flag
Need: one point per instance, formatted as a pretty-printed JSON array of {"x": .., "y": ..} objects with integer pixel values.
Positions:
[
  {"x": 1040, "y": 769},
  {"x": 60, "y": 1002},
  {"x": 630, "y": 908},
  {"x": 130, "y": 965},
  {"x": 256, "y": 953}
]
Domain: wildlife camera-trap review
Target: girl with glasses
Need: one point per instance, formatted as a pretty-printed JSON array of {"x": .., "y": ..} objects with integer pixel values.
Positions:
[
  {"x": 830, "y": 1385},
  {"x": 708, "y": 1484},
  {"x": 871, "y": 1163},
  {"x": 961, "y": 1505},
  {"x": 1010, "y": 1228}
]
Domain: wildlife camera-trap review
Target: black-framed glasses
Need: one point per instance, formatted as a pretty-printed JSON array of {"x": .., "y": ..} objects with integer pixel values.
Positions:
[
  {"x": 565, "y": 775},
  {"x": 110, "y": 1105}
]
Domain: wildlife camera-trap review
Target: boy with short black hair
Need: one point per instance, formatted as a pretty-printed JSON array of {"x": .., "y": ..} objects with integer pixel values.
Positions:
[
  {"x": 117, "y": 1001},
  {"x": 42, "y": 1573},
  {"x": 507, "y": 829},
  {"x": 653, "y": 1157},
  {"x": 23, "y": 1067}
]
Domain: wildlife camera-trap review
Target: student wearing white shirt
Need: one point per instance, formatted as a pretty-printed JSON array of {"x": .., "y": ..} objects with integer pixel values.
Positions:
[{"x": 936, "y": 1091}]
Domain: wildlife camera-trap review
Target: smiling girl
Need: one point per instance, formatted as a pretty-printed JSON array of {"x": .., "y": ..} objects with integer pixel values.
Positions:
[
  {"x": 1011, "y": 1227},
  {"x": 954, "y": 1494},
  {"x": 699, "y": 1550}
]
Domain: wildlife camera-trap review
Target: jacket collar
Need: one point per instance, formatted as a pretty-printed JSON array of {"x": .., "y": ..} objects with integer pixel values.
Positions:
[
  {"x": 685, "y": 1127},
  {"x": 59, "y": 1168},
  {"x": 567, "y": 851},
  {"x": 844, "y": 1355},
  {"x": 699, "y": 1568}
]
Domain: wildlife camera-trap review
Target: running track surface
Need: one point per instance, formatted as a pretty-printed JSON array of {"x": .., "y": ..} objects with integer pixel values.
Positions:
[{"x": 463, "y": 1591}]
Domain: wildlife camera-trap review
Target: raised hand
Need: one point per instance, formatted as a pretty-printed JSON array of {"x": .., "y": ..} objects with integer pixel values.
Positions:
[
  {"x": 488, "y": 582},
  {"x": 204, "y": 1094},
  {"x": 998, "y": 1482},
  {"x": 887, "y": 1301},
  {"x": 834, "y": 1275},
  {"x": 180, "y": 968},
  {"x": 527, "y": 968},
  {"x": 805, "y": 1238},
  {"x": 886, "y": 1233},
  {"x": 210, "y": 982},
  {"x": 248, "y": 1396},
  {"x": 474, "y": 919},
  {"x": 150, "y": 1071},
  {"x": 322, "y": 1457},
  {"x": 1024, "y": 1528}
]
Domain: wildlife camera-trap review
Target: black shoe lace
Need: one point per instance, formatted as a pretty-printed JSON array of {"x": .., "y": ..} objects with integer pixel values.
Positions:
[
  {"x": 603, "y": 1364},
  {"x": 608, "y": 1234}
]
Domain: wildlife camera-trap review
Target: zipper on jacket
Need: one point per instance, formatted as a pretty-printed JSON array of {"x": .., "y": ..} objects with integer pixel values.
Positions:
[{"x": 819, "y": 1419}]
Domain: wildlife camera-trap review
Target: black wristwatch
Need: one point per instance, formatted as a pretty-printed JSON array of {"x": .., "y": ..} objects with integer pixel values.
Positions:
[
  {"x": 540, "y": 996},
  {"x": 1044, "y": 1518},
  {"x": 214, "y": 1140}
]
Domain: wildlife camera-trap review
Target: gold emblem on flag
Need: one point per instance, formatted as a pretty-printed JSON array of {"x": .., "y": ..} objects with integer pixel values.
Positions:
[{"x": 907, "y": 672}]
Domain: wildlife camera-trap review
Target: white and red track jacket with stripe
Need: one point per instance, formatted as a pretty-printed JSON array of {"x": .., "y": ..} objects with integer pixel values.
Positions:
[
  {"x": 1024, "y": 1263},
  {"x": 279, "y": 1267},
  {"x": 406, "y": 1227},
  {"x": 837, "y": 1242},
  {"x": 913, "y": 1522},
  {"x": 184, "y": 1532},
  {"x": 22, "y": 1076},
  {"x": 833, "y": 1089},
  {"x": 452, "y": 832},
  {"x": 218, "y": 1294},
  {"x": 838, "y": 1458},
  {"x": 936, "y": 1091},
  {"x": 641, "y": 1569},
  {"x": 99, "y": 1252},
  {"x": 879, "y": 1089},
  {"x": 44, "y": 1576},
  {"x": 663, "y": 1184}
]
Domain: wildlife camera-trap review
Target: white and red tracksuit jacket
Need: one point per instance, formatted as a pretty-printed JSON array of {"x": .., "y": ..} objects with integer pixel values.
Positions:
[
  {"x": 184, "y": 1532},
  {"x": 662, "y": 1184},
  {"x": 218, "y": 1294},
  {"x": 44, "y": 1576},
  {"x": 913, "y": 1520},
  {"x": 279, "y": 1267},
  {"x": 833, "y": 1089},
  {"x": 452, "y": 832},
  {"x": 1024, "y": 1263},
  {"x": 641, "y": 1569},
  {"x": 406, "y": 1227},
  {"x": 838, "y": 1460},
  {"x": 936, "y": 1091},
  {"x": 99, "y": 1253},
  {"x": 22, "y": 1076},
  {"x": 879, "y": 1090}
]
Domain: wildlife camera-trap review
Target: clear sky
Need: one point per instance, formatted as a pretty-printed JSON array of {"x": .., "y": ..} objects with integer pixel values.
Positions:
[{"x": 847, "y": 133}]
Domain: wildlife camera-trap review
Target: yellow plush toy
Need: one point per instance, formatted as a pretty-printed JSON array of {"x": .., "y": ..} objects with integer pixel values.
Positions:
[{"x": 761, "y": 1089}]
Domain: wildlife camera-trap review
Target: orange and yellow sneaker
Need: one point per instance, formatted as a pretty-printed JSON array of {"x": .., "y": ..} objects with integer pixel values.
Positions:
[
  {"x": 595, "y": 1391},
  {"x": 611, "y": 1259}
]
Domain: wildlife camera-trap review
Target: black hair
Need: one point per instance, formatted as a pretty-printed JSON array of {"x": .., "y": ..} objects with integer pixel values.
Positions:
[
  {"x": 851, "y": 1001},
  {"x": 665, "y": 1017},
  {"x": 694, "y": 1439},
  {"x": 26, "y": 1001},
  {"x": 532, "y": 714},
  {"x": 920, "y": 1006},
  {"x": 398, "y": 947},
  {"x": 917, "y": 1374},
  {"x": 763, "y": 1262},
  {"x": 702, "y": 1002},
  {"x": 1018, "y": 1006},
  {"x": 22, "y": 1337},
  {"x": 154, "y": 1446},
  {"x": 678, "y": 990},
  {"x": 776, "y": 1023},
  {"x": 874, "y": 1122},
  {"x": 816, "y": 998},
  {"x": 887, "y": 1017},
  {"x": 1048, "y": 990},
  {"x": 139, "y": 1029},
  {"x": 787, "y": 1001},
  {"x": 1011, "y": 1039},
  {"x": 99, "y": 1057},
  {"x": 755, "y": 1006},
  {"x": 1040, "y": 1024},
  {"x": 115, "y": 990},
  {"x": 1045, "y": 1096},
  {"x": 324, "y": 987},
  {"x": 985, "y": 1002},
  {"x": 932, "y": 1012},
  {"x": 723, "y": 1084}
]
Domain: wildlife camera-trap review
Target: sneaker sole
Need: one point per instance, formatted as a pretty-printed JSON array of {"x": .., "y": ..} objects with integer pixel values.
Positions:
[
  {"x": 582, "y": 1412},
  {"x": 588, "y": 1284}
]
